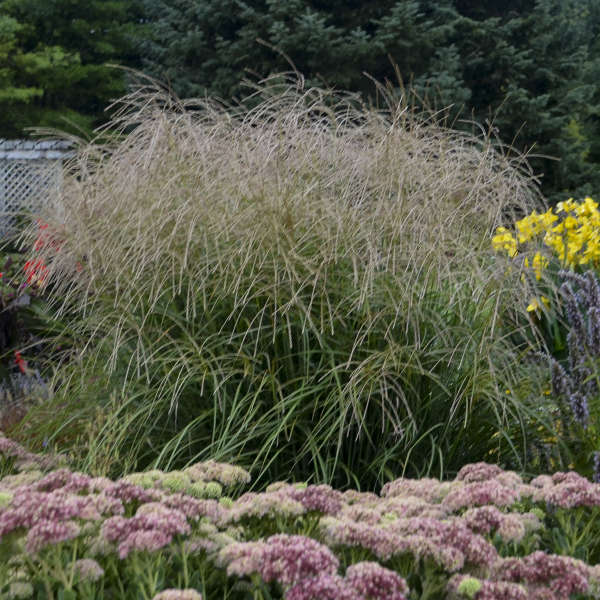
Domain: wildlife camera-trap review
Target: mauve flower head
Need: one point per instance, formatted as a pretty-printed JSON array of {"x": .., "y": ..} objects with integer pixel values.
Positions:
[
  {"x": 45, "y": 533},
  {"x": 323, "y": 587},
  {"x": 87, "y": 569},
  {"x": 319, "y": 498},
  {"x": 290, "y": 558},
  {"x": 241, "y": 558},
  {"x": 569, "y": 491},
  {"x": 385, "y": 542},
  {"x": 197, "y": 544},
  {"x": 160, "y": 517},
  {"x": 450, "y": 534},
  {"x": 480, "y": 493},
  {"x": 99, "y": 484},
  {"x": 375, "y": 582},
  {"x": 410, "y": 506},
  {"x": 356, "y": 497},
  {"x": 284, "y": 558},
  {"x": 430, "y": 490},
  {"x": 485, "y": 519},
  {"x": 172, "y": 594},
  {"x": 486, "y": 589},
  {"x": 562, "y": 574},
  {"x": 144, "y": 541},
  {"x": 480, "y": 471},
  {"x": 224, "y": 473},
  {"x": 117, "y": 528},
  {"x": 106, "y": 505},
  {"x": 127, "y": 492},
  {"x": 53, "y": 480},
  {"x": 193, "y": 508},
  {"x": 541, "y": 481},
  {"x": 272, "y": 504},
  {"x": 10, "y": 448}
]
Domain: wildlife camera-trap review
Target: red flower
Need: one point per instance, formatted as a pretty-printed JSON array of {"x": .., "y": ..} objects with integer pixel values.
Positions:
[
  {"x": 36, "y": 271},
  {"x": 21, "y": 362}
]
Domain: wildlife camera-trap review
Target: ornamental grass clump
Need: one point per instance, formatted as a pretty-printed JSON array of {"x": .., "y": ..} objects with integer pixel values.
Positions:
[{"x": 298, "y": 283}]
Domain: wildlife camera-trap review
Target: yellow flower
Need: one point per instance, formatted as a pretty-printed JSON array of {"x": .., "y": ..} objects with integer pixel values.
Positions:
[
  {"x": 567, "y": 206},
  {"x": 534, "y": 304},
  {"x": 503, "y": 240}
]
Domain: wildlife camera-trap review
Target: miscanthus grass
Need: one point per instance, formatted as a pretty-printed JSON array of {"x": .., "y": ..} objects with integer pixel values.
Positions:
[{"x": 299, "y": 284}]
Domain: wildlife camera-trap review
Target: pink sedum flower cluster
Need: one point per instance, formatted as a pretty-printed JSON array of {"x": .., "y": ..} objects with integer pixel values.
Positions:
[{"x": 455, "y": 529}]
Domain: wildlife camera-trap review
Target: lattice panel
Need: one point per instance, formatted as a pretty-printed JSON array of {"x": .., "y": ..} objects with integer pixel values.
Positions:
[{"x": 25, "y": 185}]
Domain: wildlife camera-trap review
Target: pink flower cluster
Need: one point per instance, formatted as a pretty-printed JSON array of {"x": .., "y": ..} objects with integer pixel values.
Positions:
[
  {"x": 546, "y": 575},
  {"x": 286, "y": 559},
  {"x": 226, "y": 474},
  {"x": 566, "y": 490},
  {"x": 11, "y": 449},
  {"x": 309, "y": 570},
  {"x": 152, "y": 528}
]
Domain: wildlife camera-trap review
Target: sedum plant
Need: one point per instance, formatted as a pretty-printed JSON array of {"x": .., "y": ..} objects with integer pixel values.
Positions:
[{"x": 487, "y": 533}]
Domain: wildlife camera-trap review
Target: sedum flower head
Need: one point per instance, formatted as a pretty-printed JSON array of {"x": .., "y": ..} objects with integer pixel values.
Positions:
[
  {"x": 172, "y": 594},
  {"x": 45, "y": 533},
  {"x": 376, "y": 582},
  {"x": 469, "y": 586},
  {"x": 19, "y": 590},
  {"x": 87, "y": 569},
  {"x": 323, "y": 587}
]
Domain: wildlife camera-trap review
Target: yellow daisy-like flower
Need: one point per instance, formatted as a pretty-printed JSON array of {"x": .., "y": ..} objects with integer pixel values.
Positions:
[{"x": 534, "y": 304}]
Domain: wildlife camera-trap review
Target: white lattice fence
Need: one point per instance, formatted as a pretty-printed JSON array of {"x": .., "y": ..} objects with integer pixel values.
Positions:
[{"x": 30, "y": 175}]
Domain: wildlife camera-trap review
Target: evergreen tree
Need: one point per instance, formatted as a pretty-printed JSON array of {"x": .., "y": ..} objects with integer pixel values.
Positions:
[{"x": 52, "y": 61}]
